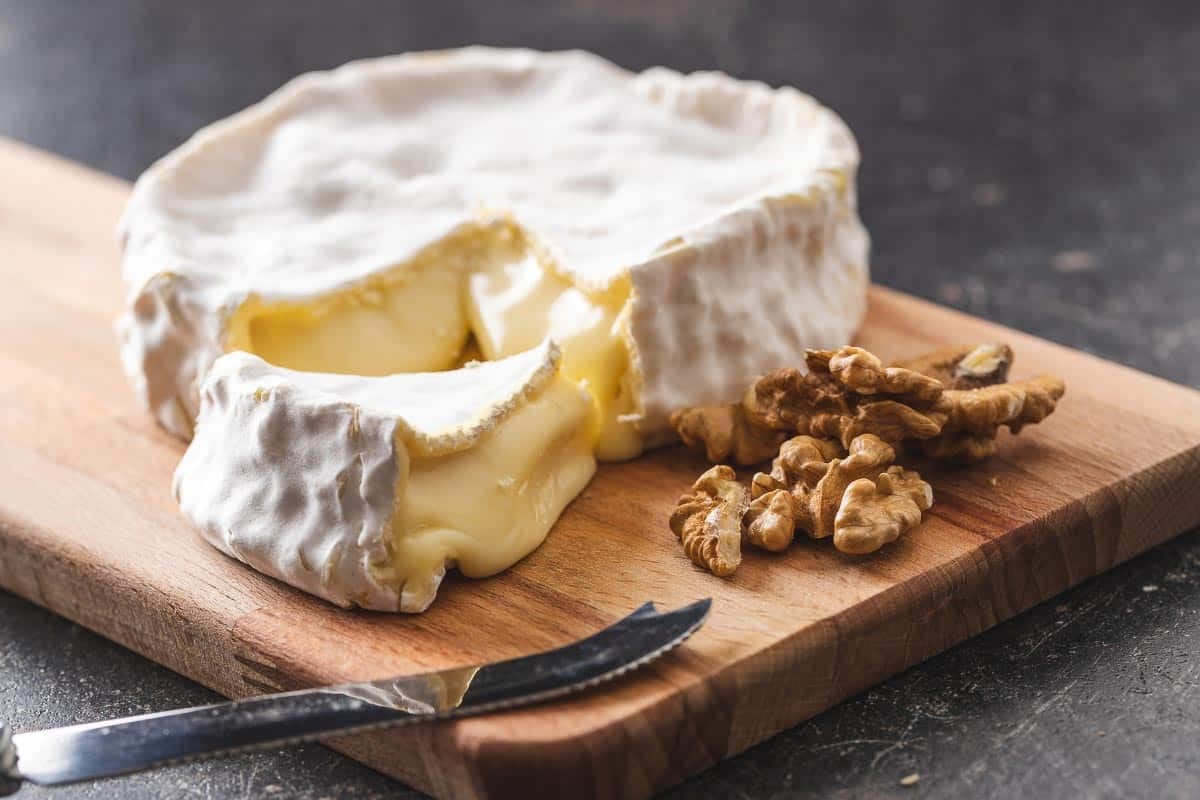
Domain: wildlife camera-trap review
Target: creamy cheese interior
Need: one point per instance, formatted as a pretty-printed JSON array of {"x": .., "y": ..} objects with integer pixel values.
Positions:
[
  {"x": 481, "y": 292},
  {"x": 409, "y": 319},
  {"x": 515, "y": 303},
  {"x": 487, "y": 507}
]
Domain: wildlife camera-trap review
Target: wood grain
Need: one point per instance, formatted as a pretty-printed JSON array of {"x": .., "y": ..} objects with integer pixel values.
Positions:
[{"x": 88, "y": 529}]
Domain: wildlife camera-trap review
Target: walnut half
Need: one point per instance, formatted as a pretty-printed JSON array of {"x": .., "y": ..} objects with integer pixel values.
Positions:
[
  {"x": 845, "y": 393},
  {"x": 862, "y": 372},
  {"x": 708, "y": 521},
  {"x": 781, "y": 499},
  {"x": 726, "y": 433},
  {"x": 846, "y": 416},
  {"x": 875, "y": 512},
  {"x": 971, "y": 366},
  {"x": 952, "y": 401},
  {"x": 806, "y": 486},
  {"x": 975, "y": 416}
]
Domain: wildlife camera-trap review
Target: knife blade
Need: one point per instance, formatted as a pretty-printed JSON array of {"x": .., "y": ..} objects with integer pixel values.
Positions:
[{"x": 132, "y": 744}]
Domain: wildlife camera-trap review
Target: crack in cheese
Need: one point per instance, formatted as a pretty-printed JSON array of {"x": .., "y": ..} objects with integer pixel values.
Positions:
[
  {"x": 409, "y": 318},
  {"x": 516, "y": 303},
  {"x": 357, "y": 490},
  {"x": 485, "y": 286},
  {"x": 411, "y": 325}
]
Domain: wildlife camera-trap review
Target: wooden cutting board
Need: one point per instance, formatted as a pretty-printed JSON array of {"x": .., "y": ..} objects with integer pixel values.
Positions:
[{"x": 89, "y": 530}]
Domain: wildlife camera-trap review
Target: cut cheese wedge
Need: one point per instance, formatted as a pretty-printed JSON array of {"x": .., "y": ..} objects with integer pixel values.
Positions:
[
  {"x": 363, "y": 490},
  {"x": 678, "y": 235}
]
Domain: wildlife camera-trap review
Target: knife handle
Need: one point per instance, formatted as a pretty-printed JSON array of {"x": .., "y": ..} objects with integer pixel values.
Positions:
[{"x": 10, "y": 779}]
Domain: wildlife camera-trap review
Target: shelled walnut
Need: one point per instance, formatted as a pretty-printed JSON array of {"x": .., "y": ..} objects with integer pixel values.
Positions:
[
  {"x": 964, "y": 366},
  {"x": 975, "y": 416},
  {"x": 786, "y": 497},
  {"x": 806, "y": 487},
  {"x": 890, "y": 420},
  {"x": 726, "y": 433},
  {"x": 875, "y": 512},
  {"x": 863, "y": 373},
  {"x": 708, "y": 522},
  {"x": 846, "y": 416},
  {"x": 849, "y": 392}
]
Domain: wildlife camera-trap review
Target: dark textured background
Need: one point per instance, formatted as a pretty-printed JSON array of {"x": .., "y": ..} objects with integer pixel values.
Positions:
[{"x": 1029, "y": 164}]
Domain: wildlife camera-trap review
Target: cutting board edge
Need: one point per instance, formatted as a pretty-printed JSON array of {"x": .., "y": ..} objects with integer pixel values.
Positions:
[
  {"x": 495, "y": 769},
  {"x": 499, "y": 770},
  {"x": 31, "y": 570}
]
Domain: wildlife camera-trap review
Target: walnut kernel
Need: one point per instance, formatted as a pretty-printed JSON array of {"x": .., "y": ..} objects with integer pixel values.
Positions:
[
  {"x": 804, "y": 490},
  {"x": 708, "y": 522},
  {"x": 964, "y": 366},
  {"x": 875, "y": 512},
  {"x": 727, "y": 433}
]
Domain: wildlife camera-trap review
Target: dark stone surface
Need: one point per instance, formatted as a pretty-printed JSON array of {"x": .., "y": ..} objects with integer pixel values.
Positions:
[{"x": 1031, "y": 164}]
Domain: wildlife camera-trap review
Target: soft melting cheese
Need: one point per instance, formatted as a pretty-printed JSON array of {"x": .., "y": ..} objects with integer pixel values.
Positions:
[
  {"x": 364, "y": 490},
  {"x": 485, "y": 286},
  {"x": 412, "y": 324},
  {"x": 485, "y": 508},
  {"x": 513, "y": 305},
  {"x": 407, "y": 318}
]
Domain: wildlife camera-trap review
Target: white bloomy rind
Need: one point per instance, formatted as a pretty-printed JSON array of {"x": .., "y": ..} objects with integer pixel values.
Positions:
[
  {"x": 297, "y": 474},
  {"x": 728, "y": 207}
]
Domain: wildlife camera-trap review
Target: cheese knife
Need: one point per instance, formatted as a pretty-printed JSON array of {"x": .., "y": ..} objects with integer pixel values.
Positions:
[{"x": 103, "y": 749}]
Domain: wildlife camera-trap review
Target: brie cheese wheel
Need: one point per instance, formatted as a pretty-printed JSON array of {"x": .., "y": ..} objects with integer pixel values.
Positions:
[
  {"x": 677, "y": 235},
  {"x": 362, "y": 490}
]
